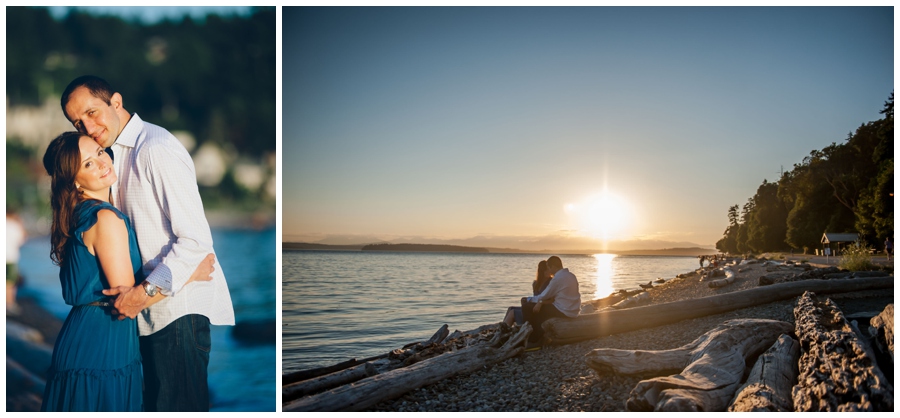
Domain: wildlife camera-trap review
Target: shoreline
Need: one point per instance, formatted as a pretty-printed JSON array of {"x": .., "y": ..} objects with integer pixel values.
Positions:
[{"x": 557, "y": 378}]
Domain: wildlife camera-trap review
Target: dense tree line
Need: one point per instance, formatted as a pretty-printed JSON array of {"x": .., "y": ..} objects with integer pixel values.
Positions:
[
  {"x": 845, "y": 187},
  {"x": 215, "y": 78}
]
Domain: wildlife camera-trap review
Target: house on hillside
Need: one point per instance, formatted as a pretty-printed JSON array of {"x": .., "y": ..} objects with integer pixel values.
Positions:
[{"x": 837, "y": 239}]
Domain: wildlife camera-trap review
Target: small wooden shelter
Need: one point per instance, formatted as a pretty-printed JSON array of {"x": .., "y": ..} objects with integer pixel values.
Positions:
[{"x": 829, "y": 238}]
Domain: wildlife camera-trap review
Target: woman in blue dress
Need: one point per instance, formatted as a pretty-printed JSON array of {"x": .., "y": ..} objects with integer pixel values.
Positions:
[{"x": 96, "y": 363}]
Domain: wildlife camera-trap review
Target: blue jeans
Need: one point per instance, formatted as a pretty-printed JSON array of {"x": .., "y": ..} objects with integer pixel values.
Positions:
[{"x": 175, "y": 361}]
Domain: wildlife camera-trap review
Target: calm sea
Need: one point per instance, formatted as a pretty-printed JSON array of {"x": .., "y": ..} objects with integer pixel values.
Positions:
[
  {"x": 242, "y": 374},
  {"x": 338, "y": 305}
]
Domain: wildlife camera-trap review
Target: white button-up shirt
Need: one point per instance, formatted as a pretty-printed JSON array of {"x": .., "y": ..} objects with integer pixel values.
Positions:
[
  {"x": 157, "y": 189},
  {"x": 563, "y": 288}
]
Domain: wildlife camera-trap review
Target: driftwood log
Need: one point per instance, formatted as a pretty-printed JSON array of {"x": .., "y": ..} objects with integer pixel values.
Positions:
[
  {"x": 713, "y": 366},
  {"x": 729, "y": 279},
  {"x": 608, "y": 322},
  {"x": 883, "y": 330},
  {"x": 329, "y": 381},
  {"x": 372, "y": 390},
  {"x": 836, "y": 373},
  {"x": 768, "y": 388}
]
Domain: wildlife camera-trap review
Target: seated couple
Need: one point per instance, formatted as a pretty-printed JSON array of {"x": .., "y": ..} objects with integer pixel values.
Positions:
[{"x": 556, "y": 295}]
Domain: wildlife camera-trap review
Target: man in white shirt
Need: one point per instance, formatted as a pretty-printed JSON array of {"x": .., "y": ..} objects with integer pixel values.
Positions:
[
  {"x": 560, "y": 299},
  {"x": 157, "y": 189}
]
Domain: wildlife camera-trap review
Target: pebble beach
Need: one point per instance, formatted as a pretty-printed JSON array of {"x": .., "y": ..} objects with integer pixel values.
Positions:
[{"x": 557, "y": 378}]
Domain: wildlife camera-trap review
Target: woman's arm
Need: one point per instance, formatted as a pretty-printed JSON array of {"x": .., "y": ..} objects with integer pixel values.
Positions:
[{"x": 108, "y": 241}]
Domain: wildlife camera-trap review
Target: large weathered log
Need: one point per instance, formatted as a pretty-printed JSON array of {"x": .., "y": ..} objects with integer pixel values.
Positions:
[
  {"x": 608, "y": 322},
  {"x": 836, "y": 374},
  {"x": 768, "y": 388},
  {"x": 883, "y": 326},
  {"x": 302, "y": 375},
  {"x": 713, "y": 366},
  {"x": 329, "y": 381},
  {"x": 372, "y": 390}
]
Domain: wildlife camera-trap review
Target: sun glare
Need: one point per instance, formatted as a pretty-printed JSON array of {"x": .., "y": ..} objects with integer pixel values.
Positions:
[
  {"x": 604, "y": 275},
  {"x": 602, "y": 216}
]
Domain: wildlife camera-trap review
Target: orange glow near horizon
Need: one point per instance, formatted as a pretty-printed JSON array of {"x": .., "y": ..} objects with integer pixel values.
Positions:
[{"x": 604, "y": 275}]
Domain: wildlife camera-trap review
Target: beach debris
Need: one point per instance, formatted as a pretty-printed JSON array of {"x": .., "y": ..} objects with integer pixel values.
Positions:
[
  {"x": 768, "y": 387},
  {"x": 614, "y": 321},
  {"x": 329, "y": 381},
  {"x": 837, "y": 371},
  {"x": 709, "y": 369},
  {"x": 882, "y": 330},
  {"x": 381, "y": 387},
  {"x": 729, "y": 279}
]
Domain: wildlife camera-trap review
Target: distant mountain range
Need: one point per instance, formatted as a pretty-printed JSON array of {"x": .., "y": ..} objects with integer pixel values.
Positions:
[{"x": 690, "y": 251}]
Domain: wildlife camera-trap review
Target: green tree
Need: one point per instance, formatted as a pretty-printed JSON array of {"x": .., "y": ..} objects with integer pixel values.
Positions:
[
  {"x": 767, "y": 224},
  {"x": 728, "y": 243}
]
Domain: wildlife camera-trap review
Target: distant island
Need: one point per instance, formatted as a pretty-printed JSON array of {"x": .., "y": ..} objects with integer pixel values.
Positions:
[
  {"x": 424, "y": 247},
  {"x": 684, "y": 252}
]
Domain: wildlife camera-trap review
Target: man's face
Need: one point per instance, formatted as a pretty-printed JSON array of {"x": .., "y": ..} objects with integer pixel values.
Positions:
[{"x": 94, "y": 117}]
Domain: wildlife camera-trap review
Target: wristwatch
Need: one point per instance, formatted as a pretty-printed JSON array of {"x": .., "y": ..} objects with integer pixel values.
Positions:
[{"x": 150, "y": 288}]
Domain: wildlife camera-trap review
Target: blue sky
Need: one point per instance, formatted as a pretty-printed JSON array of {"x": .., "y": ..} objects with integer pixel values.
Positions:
[
  {"x": 543, "y": 126},
  {"x": 151, "y": 14}
]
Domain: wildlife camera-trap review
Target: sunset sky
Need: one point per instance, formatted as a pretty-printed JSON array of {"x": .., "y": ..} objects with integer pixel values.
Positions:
[{"x": 535, "y": 128}]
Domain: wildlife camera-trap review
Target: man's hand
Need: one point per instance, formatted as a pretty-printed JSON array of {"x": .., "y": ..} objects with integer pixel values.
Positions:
[
  {"x": 129, "y": 302},
  {"x": 204, "y": 270}
]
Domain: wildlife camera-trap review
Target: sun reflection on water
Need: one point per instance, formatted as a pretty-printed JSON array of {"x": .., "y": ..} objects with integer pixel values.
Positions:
[{"x": 604, "y": 276}]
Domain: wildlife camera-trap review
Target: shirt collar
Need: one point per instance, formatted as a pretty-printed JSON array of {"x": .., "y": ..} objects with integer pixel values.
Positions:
[{"x": 129, "y": 135}]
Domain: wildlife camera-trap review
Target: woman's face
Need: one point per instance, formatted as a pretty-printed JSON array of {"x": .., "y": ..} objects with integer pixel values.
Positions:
[{"x": 95, "y": 172}]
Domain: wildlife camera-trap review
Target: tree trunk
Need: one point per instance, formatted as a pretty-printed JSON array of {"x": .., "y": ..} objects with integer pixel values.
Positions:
[
  {"x": 608, "y": 322},
  {"x": 330, "y": 381},
  {"x": 836, "y": 374},
  {"x": 768, "y": 388},
  {"x": 372, "y": 390},
  {"x": 713, "y": 365}
]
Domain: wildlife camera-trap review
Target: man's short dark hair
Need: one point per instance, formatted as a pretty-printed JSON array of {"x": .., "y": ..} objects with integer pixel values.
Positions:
[
  {"x": 554, "y": 263},
  {"x": 98, "y": 87}
]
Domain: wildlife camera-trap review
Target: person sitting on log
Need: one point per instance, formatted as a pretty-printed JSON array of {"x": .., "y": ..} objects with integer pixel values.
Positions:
[
  {"x": 566, "y": 302},
  {"x": 514, "y": 313}
]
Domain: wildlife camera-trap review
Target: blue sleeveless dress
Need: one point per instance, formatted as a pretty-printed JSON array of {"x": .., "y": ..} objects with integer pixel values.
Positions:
[{"x": 96, "y": 363}]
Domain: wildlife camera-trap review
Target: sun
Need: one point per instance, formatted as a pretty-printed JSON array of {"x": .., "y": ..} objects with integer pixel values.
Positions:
[{"x": 604, "y": 215}]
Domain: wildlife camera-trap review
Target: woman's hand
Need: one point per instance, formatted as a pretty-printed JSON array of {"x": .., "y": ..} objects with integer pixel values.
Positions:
[
  {"x": 537, "y": 307},
  {"x": 204, "y": 270}
]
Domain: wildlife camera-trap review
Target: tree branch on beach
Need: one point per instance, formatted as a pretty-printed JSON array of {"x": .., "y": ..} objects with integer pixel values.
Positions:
[
  {"x": 710, "y": 368},
  {"x": 372, "y": 390}
]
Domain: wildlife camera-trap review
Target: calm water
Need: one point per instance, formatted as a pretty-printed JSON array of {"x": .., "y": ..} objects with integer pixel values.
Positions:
[
  {"x": 341, "y": 305},
  {"x": 242, "y": 376}
]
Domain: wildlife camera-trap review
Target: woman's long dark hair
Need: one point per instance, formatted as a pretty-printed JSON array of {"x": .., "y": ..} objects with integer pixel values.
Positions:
[
  {"x": 540, "y": 282},
  {"x": 62, "y": 162}
]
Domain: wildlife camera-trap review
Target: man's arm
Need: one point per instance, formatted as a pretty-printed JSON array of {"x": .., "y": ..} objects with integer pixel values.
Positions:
[
  {"x": 131, "y": 300},
  {"x": 173, "y": 179},
  {"x": 549, "y": 293}
]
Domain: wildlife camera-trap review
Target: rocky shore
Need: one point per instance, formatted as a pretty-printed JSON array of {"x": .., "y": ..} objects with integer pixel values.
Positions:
[{"x": 557, "y": 378}]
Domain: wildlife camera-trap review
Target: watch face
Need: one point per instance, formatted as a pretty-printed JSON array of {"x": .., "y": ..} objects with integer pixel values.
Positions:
[{"x": 150, "y": 288}]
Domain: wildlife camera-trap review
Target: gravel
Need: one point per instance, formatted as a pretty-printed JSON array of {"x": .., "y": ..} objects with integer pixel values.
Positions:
[{"x": 558, "y": 379}]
